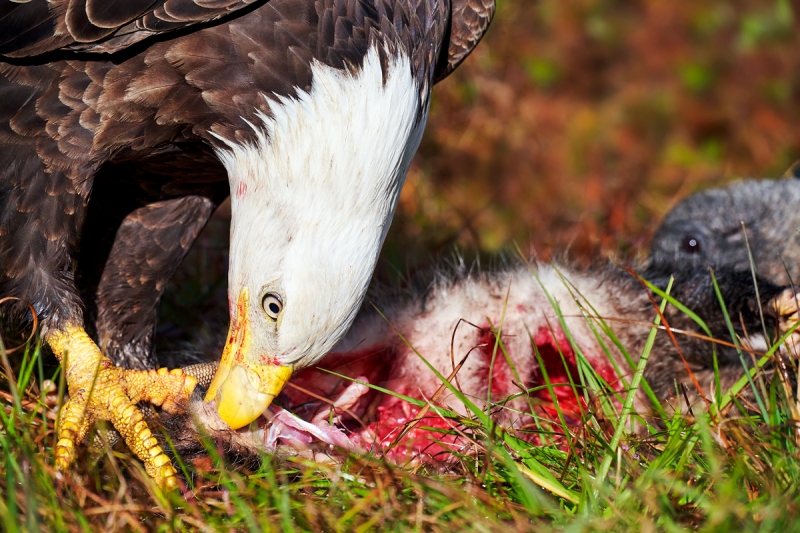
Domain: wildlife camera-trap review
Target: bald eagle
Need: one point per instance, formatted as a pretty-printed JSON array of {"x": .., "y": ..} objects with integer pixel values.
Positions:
[{"x": 124, "y": 124}]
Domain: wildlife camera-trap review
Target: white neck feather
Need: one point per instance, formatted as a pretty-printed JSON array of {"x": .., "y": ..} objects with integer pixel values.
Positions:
[{"x": 313, "y": 198}]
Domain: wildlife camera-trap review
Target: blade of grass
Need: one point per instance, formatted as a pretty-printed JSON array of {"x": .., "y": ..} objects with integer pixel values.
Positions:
[
  {"x": 734, "y": 338},
  {"x": 627, "y": 407}
]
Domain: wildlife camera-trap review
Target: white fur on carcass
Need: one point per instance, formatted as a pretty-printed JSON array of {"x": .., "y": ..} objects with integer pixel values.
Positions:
[
  {"x": 520, "y": 303},
  {"x": 517, "y": 303}
]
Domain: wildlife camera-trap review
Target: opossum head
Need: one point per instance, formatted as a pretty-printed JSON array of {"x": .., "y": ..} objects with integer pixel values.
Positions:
[{"x": 708, "y": 229}]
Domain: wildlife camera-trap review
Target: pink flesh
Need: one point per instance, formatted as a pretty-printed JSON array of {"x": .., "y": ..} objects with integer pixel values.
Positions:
[
  {"x": 571, "y": 405},
  {"x": 385, "y": 416}
]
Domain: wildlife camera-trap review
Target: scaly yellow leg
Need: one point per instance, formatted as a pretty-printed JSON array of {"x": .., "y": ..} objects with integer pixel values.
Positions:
[{"x": 101, "y": 391}]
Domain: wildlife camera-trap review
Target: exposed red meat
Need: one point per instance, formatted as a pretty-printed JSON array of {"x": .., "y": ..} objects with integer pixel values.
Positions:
[{"x": 373, "y": 420}]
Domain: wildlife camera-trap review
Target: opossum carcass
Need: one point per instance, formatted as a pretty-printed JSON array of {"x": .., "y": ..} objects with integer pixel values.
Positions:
[
  {"x": 514, "y": 331},
  {"x": 518, "y": 328}
]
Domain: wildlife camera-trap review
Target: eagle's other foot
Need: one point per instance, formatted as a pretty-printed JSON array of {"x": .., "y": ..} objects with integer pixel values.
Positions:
[
  {"x": 99, "y": 390},
  {"x": 787, "y": 310}
]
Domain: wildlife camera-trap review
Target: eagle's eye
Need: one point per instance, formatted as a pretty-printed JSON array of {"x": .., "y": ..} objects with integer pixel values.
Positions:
[
  {"x": 272, "y": 305},
  {"x": 691, "y": 245}
]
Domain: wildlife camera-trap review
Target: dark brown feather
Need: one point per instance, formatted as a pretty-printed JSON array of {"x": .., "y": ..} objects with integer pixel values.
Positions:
[
  {"x": 469, "y": 21},
  {"x": 29, "y": 26},
  {"x": 39, "y": 26},
  {"x": 125, "y": 298},
  {"x": 112, "y": 15},
  {"x": 80, "y": 27}
]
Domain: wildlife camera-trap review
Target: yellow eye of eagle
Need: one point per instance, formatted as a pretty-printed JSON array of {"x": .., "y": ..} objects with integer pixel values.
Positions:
[{"x": 272, "y": 305}]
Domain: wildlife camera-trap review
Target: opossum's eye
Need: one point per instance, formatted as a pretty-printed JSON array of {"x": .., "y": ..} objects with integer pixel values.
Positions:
[
  {"x": 272, "y": 304},
  {"x": 691, "y": 245}
]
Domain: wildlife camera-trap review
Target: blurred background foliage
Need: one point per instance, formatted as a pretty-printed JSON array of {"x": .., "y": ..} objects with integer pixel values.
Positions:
[
  {"x": 575, "y": 125},
  {"x": 579, "y": 123}
]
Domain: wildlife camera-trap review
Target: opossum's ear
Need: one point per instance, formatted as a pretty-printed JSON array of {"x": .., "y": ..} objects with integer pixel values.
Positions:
[{"x": 793, "y": 171}]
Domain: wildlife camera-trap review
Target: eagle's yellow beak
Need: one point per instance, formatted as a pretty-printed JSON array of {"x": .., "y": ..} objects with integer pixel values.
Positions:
[{"x": 245, "y": 383}]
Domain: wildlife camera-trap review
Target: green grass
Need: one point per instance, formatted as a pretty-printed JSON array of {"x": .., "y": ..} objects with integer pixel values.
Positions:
[{"x": 614, "y": 472}]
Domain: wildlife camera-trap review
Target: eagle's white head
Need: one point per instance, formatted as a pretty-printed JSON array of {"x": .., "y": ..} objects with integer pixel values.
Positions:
[{"x": 311, "y": 203}]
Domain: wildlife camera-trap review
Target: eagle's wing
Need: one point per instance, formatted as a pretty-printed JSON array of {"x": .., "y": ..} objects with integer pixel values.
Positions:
[
  {"x": 469, "y": 20},
  {"x": 33, "y": 27}
]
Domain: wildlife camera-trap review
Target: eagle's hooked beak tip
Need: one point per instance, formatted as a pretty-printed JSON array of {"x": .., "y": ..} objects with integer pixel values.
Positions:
[
  {"x": 244, "y": 388},
  {"x": 244, "y": 394}
]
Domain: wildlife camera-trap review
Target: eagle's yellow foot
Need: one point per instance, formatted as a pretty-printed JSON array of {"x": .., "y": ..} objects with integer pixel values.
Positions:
[
  {"x": 786, "y": 307},
  {"x": 99, "y": 390}
]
